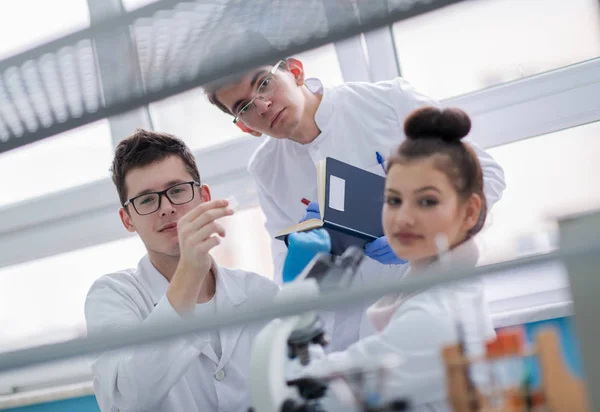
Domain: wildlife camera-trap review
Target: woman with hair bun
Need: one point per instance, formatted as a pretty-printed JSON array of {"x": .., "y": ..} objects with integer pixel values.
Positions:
[{"x": 433, "y": 200}]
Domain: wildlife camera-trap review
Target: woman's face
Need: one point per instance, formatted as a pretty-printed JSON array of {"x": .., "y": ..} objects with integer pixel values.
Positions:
[{"x": 421, "y": 203}]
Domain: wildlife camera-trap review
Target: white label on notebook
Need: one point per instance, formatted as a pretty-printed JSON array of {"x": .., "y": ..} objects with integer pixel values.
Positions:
[{"x": 337, "y": 193}]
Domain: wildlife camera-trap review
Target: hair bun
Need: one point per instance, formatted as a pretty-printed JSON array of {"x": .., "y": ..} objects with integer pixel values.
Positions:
[{"x": 450, "y": 124}]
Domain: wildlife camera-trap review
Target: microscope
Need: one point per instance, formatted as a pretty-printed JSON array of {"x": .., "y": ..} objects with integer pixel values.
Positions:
[{"x": 292, "y": 341}]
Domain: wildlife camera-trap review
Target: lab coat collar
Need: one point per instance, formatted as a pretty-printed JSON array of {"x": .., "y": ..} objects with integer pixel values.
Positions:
[
  {"x": 382, "y": 311},
  {"x": 325, "y": 109},
  {"x": 156, "y": 283},
  {"x": 227, "y": 289},
  {"x": 229, "y": 292},
  {"x": 465, "y": 255}
]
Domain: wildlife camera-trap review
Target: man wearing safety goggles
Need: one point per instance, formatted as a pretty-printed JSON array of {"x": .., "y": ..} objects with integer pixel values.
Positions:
[{"x": 304, "y": 122}]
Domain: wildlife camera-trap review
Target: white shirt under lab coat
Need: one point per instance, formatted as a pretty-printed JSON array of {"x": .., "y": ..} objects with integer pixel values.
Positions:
[
  {"x": 420, "y": 326},
  {"x": 356, "y": 121},
  {"x": 183, "y": 374}
]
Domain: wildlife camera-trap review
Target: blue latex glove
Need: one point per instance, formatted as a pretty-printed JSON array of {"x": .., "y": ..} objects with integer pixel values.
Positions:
[
  {"x": 302, "y": 248},
  {"x": 380, "y": 250},
  {"x": 312, "y": 212}
]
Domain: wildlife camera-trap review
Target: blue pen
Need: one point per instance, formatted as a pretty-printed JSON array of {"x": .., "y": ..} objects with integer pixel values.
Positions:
[{"x": 380, "y": 161}]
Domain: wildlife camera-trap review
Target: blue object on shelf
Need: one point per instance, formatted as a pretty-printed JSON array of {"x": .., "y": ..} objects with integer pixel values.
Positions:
[
  {"x": 82, "y": 404},
  {"x": 568, "y": 343}
]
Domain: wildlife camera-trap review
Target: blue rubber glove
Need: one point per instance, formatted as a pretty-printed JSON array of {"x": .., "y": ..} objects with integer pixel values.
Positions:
[
  {"x": 312, "y": 212},
  {"x": 380, "y": 250},
  {"x": 302, "y": 248}
]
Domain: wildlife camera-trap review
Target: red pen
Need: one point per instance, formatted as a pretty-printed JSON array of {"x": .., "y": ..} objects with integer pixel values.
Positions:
[{"x": 305, "y": 201}]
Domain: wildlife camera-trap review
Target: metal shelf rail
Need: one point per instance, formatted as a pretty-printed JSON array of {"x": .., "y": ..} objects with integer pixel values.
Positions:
[
  {"x": 179, "y": 45},
  {"x": 579, "y": 251}
]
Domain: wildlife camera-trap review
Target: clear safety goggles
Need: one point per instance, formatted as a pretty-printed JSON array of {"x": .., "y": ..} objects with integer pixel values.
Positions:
[{"x": 265, "y": 89}]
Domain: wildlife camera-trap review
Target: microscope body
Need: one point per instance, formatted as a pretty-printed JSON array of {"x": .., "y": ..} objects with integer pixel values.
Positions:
[
  {"x": 269, "y": 389},
  {"x": 289, "y": 338}
]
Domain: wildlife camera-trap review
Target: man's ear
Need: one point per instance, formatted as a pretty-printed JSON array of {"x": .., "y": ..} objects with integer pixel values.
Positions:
[
  {"x": 205, "y": 193},
  {"x": 246, "y": 129},
  {"x": 126, "y": 220},
  {"x": 295, "y": 67}
]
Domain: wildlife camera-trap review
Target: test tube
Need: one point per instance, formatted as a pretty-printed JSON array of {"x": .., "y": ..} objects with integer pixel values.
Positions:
[
  {"x": 505, "y": 356},
  {"x": 233, "y": 203}
]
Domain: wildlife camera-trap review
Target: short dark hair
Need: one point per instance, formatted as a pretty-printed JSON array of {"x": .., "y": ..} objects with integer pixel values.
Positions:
[
  {"x": 143, "y": 148},
  {"x": 431, "y": 131},
  {"x": 211, "y": 89},
  {"x": 255, "y": 42}
]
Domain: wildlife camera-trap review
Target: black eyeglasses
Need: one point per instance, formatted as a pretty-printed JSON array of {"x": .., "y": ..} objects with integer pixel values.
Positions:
[{"x": 178, "y": 194}]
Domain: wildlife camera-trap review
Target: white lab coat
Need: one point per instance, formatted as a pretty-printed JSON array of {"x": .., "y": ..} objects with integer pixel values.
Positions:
[
  {"x": 356, "y": 120},
  {"x": 183, "y": 374},
  {"x": 421, "y": 324}
]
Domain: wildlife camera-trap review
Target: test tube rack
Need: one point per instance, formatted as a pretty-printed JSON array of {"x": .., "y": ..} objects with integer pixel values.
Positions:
[{"x": 560, "y": 390}]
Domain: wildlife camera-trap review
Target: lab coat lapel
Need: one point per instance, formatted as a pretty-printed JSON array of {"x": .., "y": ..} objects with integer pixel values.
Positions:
[
  {"x": 156, "y": 284},
  {"x": 230, "y": 294},
  {"x": 210, "y": 354}
]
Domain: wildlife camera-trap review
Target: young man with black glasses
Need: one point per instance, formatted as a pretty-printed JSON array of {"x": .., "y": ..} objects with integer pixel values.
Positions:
[{"x": 165, "y": 203}]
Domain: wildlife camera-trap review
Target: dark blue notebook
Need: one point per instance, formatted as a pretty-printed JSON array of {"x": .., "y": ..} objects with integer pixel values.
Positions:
[{"x": 350, "y": 200}]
